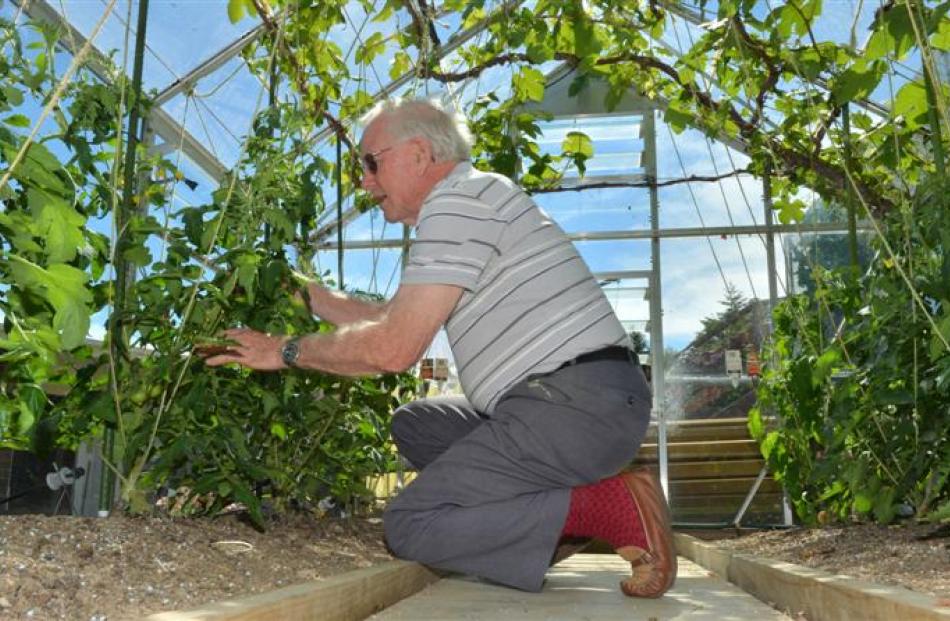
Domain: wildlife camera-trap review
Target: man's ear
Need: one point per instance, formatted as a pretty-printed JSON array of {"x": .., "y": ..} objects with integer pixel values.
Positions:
[{"x": 422, "y": 154}]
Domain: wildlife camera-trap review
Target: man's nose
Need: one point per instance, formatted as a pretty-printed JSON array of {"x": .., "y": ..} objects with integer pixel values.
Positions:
[{"x": 368, "y": 181}]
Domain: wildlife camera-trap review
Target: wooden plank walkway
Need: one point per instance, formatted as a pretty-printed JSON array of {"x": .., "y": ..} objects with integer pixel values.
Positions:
[{"x": 584, "y": 586}]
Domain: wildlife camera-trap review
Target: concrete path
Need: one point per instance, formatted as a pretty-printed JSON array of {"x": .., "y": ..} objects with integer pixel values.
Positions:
[{"x": 584, "y": 586}]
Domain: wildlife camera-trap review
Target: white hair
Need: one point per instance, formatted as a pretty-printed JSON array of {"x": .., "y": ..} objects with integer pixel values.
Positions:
[{"x": 410, "y": 118}]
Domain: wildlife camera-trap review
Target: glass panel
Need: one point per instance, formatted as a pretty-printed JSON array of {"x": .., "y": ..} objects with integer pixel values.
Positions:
[
  {"x": 601, "y": 209},
  {"x": 615, "y": 255},
  {"x": 374, "y": 271},
  {"x": 627, "y": 296},
  {"x": 616, "y": 143},
  {"x": 712, "y": 304}
]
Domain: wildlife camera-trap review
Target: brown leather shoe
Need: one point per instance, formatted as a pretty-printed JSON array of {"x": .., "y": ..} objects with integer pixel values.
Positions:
[{"x": 654, "y": 569}]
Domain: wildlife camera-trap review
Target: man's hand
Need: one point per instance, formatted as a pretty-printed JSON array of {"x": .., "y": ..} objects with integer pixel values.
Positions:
[{"x": 254, "y": 350}]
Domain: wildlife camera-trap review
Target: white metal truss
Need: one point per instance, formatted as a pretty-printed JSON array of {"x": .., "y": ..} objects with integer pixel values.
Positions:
[
  {"x": 693, "y": 17},
  {"x": 663, "y": 233},
  {"x": 330, "y": 223},
  {"x": 159, "y": 121}
]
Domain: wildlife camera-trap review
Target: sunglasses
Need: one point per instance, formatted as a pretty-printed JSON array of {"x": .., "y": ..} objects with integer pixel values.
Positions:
[{"x": 370, "y": 160}]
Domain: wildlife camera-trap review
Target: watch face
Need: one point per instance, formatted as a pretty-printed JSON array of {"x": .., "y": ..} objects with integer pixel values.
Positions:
[{"x": 290, "y": 352}]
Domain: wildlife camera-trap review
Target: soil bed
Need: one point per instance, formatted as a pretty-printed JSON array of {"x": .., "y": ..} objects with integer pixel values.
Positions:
[
  {"x": 901, "y": 555},
  {"x": 87, "y": 569}
]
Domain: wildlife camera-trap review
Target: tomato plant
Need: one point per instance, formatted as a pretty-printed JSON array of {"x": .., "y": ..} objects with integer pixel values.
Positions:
[{"x": 859, "y": 380}]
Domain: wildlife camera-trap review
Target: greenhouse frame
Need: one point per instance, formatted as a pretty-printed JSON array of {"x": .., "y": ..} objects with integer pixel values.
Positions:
[{"x": 760, "y": 190}]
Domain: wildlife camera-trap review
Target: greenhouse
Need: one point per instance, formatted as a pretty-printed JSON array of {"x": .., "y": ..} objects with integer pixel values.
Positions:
[{"x": 339, "y": 309}]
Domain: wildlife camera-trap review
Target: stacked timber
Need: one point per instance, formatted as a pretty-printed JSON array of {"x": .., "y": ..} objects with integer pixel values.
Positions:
[{"x": 713, "y": 463}]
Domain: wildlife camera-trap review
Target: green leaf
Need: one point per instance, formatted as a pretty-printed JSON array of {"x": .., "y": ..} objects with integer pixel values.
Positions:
[
  {"x": 893, "y": 397},
  {"x": 756, "y": 427},
  {"x": 937, "y": 348},
  {"x": 272, "y": 277},
  {"x": 17, "y": 120},
  {"x": 372, "y": 47},
  {"x": 13, "y": 95},
  {"x": 269, "y": 402},
  {"x": 586, "y": 42},
  {"x": 37, "y": 167},
  {"x": 863, "y": 502},
  {"x": 528, "y": 84},
  {"x": 941, "y": 38},
  {"x": 64, "y": 288},
  {"x": 278, "y": 430},
  {"x": 677, "y": 118},
  {"x": 790, "y": 211},
  {"x": 884, "y": 509},
  {"x": 236, "y": 9},
  {"x": 825, "y": 365},
  {"x": 858, "y": 81},
  {"x": 579, "y": 143},
  {"x": 538, "y": 46},
  {"x": 58, "y": 222},
  {"x": 892, "y": 35},
  {"x": 400, "y": 65},
  {"x": 139, "y": 256},
  {"x": 769, "y": 444},
  {"x": 578, "y": 84},
  {"x": 384, "y": 14},
  {"x": 911, "y": 103},
  {"x": 26, "y": 419},
  {"x": 42, "y": 62}
]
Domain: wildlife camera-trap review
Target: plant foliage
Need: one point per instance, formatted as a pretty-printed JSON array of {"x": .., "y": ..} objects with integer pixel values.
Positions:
[{"x": 859, "y": 380}]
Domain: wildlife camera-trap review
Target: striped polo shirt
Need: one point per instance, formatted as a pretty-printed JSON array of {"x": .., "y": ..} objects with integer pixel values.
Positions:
[{"x": 529, "y": 304}]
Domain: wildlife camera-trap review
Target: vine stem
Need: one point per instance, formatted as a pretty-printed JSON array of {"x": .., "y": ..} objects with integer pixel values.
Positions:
[
  {"x": 168, "y": 397},
  {"x": 78, "y": 59},
  {"x": 897, "y": 265},
  {"x": 929, "y": 68}
]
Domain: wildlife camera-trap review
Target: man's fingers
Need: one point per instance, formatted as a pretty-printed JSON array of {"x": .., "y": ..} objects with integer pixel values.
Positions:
[
  {"x": 214, "y": 350},
  {"x": 217, "y": 361}
]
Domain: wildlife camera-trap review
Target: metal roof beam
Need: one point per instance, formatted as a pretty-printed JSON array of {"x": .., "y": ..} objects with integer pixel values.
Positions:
[
  {"x": 696, "y": 19},
  {"x": 160, "y": 121},
  {"x": 643, "y": 234},
  {"x": 450, "y": 46},
  {"x": 209, "y": 66}
]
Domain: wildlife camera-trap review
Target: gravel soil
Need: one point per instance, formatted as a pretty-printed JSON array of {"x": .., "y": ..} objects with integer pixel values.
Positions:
[
  {"x": 88, "y": 569},
  {"x": 913, "y": 556}
]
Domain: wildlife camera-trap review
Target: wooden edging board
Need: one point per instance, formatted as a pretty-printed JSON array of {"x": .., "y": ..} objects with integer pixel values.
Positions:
[
  {"x": 822, "y": 596},
  {"x": 352, "y": 596}
]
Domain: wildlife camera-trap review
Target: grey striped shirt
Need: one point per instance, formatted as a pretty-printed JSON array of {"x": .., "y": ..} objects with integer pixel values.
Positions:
[{"x": 530, "y": 302}]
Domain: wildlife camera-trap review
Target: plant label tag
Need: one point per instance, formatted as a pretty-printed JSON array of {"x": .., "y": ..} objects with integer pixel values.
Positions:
[{"x": 733, "y": 362}]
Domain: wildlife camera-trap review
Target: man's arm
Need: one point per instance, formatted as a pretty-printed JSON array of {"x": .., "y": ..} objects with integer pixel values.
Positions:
[
  {"x": 339, "y": 308},
  {"x": 392, "y": 342}
]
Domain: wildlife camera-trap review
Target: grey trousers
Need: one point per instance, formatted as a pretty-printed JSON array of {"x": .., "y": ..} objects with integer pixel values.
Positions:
[{"x": 493, "y": 492}]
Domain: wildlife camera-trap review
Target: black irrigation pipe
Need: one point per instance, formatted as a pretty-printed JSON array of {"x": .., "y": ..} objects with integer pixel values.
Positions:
[{"x": 23, "y": 493}]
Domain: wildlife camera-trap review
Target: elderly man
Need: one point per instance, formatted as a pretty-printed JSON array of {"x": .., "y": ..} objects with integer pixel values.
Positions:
[{"x": 554, "y": 400}]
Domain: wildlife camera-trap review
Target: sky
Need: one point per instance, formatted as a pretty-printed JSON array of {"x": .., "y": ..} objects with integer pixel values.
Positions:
[{"x": 695, "y": 270}]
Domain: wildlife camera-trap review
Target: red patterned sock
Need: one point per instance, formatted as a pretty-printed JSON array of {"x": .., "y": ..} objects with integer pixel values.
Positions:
[{"x": 605, "y": 510}]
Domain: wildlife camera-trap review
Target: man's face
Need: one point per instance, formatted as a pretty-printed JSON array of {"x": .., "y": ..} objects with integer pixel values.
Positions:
[{"x": 387, "y": 174}]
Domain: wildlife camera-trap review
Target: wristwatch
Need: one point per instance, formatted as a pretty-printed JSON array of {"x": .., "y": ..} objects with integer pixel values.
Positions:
[{"x": 290, "y": 352}]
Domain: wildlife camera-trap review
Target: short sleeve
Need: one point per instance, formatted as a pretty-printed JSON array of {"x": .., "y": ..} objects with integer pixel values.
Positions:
[{"x": 456, "y": 238}]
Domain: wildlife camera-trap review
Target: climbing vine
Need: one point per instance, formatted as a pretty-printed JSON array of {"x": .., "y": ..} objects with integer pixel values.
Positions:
[
  {"x": 226, "y": 434},
  {"x": 859, "y": 381}
]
